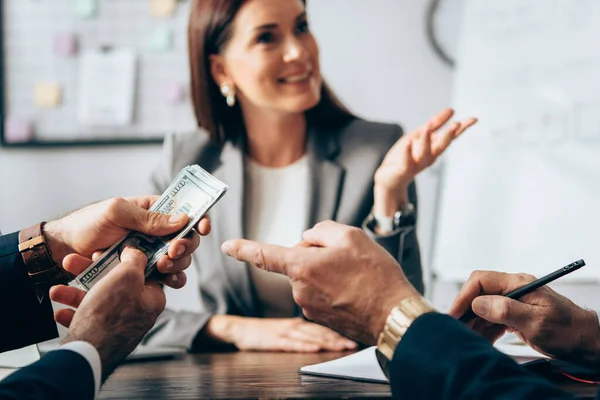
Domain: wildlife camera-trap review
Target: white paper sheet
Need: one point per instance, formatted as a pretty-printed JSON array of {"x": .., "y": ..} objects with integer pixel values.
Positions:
[
  {"x": 107, "y": 87},
  {"x": 363, "y": 365},
  {"x": 19, "y": 358}
]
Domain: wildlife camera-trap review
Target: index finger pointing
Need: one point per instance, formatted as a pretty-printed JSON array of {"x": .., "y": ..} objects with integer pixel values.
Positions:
[{"x": 264, "y": 256}]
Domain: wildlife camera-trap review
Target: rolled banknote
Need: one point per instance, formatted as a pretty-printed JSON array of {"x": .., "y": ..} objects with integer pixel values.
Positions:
[{"x": 193, "y": 192}]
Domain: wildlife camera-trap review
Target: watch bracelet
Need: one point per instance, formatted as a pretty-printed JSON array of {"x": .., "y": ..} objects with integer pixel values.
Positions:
[{"x": 398, "y": 322}]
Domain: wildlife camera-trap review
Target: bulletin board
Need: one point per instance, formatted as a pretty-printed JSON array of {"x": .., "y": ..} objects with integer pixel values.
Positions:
[{"x": 46, "y": 47}]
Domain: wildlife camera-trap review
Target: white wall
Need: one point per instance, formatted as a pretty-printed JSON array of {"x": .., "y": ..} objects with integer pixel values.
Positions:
[
  {"x": 40, "y": 184},
  {"x": 373, "y": 52},
  {"x": 376, "y": 56}
]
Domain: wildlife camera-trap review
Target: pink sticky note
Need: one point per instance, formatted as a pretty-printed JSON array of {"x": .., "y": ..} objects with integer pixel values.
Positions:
[
  {"x": 65, "y": 44},
  {"x": 17, "y": 130},
  {"x": 174, "y": 93}
]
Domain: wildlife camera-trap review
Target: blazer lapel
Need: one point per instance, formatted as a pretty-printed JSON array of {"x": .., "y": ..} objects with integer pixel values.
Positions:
[
  {"x": 327, "y": 176},
  {"x": 230, "y": 223},
  {"x": 327, "y": 179}
]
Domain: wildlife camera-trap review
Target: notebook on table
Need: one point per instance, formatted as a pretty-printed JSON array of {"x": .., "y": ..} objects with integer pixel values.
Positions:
[{"x": 363, "y": 366}]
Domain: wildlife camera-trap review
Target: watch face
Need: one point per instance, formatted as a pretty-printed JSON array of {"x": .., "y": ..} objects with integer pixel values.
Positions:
[
  {"x": 408, "y": 209},
  {"x": 405, "y": 217}
]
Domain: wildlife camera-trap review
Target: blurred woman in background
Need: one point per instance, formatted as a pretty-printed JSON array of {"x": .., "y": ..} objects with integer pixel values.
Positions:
[{"x": 292, "y": 155}]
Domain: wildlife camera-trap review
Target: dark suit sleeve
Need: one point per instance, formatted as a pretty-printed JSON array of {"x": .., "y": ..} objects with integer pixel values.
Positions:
[
  {"x": 441, "y": 358},
  {"x": 25, "y": 320},
  {"x": 61, "y": 374}
]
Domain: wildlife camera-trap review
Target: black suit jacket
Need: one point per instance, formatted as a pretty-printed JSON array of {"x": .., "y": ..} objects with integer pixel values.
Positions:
[
  {"x": 27, "y": 318},
  {"x": 60, "y": 374},
  {"x": 441, "y": 358}
]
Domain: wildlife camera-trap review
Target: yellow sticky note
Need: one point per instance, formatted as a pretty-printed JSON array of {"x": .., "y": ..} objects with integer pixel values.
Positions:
[
  {"x": 162, "y": 8},
  {"x": 47, "y": 95}
]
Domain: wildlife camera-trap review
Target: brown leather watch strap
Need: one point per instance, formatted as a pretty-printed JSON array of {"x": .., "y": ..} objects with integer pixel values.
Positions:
[{"x": 38, "y": 258}]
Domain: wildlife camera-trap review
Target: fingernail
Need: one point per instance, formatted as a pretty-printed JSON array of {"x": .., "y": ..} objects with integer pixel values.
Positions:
[
  {"x": 174, "y": 279},
  {"x": 180, "y": 250},
  {"x": 169, "y": 263},
  {"x": 481, "y": 306},
  {"x": 226, "y": 248},
  {"x": 177, "y": 218},
  {"x": 350, "y": 344}
]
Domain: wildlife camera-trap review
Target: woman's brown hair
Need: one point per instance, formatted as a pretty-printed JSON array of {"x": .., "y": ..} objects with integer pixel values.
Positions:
[{"x": 209, "y": 29}]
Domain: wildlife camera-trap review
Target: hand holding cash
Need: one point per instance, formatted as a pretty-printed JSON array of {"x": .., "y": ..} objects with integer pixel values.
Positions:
[
  {"x": 116, "y": 314},
  {"x": 99, "y": 226},
  {"x": 193, "y": 192},
  {"x": 84, "y": 234}
]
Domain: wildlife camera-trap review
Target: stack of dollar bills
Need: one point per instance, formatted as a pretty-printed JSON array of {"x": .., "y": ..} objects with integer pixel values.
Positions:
[{"x": 193, "y": 192}]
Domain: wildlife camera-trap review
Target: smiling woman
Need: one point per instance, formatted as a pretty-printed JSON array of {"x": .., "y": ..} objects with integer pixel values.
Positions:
[
  {"x": 292, "y": 156},
  {"x": 264, "y": 60}
]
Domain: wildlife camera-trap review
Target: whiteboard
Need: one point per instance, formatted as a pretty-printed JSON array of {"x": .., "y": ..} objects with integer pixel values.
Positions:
[
  {"x": 521, "y": 192},
  {"x": 30, "y": 28}
]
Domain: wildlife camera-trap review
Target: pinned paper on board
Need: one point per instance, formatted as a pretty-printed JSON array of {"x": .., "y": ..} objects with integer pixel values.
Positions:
[
  {"x": 85, "y": 8},
  {"x": 162, "y": 8},
  {"x": 107, "y": 87},
  {"x": 174, "y": 92},
  {"x": 17, "y": 130},
  {"x": 65, "y": 44},
  {"x": 47, "y": 95},
  {"x": 161, "y": 39}
]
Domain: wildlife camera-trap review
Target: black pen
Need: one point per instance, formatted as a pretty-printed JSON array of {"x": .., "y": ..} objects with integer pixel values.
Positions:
[{"x": 530, "y": 287}]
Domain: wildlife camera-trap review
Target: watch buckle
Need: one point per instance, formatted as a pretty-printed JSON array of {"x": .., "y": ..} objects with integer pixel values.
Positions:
[{"x": 31, "y": 243}]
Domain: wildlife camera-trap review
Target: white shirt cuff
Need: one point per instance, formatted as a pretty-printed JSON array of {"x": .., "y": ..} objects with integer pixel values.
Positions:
[{"x": 90, "y": 353}]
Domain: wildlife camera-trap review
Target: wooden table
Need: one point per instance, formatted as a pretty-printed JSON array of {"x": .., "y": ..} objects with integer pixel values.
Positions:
[
  {"x": 234, "y": 375},
  {"x": 243, "y": 375}
]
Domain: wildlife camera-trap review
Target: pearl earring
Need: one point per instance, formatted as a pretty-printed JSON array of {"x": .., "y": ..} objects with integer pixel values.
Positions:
[{"x": 229, "y": 93}]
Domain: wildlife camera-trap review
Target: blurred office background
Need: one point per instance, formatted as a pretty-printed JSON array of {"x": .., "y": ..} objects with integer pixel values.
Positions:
[{"x": 388, "y": 61}]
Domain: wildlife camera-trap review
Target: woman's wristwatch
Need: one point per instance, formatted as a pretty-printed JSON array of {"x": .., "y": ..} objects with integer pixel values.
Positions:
[
  {"x": 396, "y": 325},
  {"x": 404, "y": 217}
]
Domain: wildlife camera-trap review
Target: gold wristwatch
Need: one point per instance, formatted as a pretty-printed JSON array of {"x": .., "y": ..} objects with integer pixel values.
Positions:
[{"x": 398, "y": 321}]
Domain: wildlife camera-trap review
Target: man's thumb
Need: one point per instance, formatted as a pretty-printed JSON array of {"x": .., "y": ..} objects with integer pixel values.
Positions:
[
  {"x": 129, "y": 216},
  {"x": 156, "y": 224},
  {"x": 502, "y": 310}
]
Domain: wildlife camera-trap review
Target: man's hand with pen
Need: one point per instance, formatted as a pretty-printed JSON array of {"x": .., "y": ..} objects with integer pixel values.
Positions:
[{"x": 544, "y": 319}]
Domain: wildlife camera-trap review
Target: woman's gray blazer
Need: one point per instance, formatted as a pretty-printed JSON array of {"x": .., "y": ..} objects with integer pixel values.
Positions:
[{"x": 342, "y": 164}]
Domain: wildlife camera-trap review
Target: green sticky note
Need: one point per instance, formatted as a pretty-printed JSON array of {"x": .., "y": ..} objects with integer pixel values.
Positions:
[
  {"x": 161, "y": 39},
  {"x": 85, "y": 8}
]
